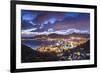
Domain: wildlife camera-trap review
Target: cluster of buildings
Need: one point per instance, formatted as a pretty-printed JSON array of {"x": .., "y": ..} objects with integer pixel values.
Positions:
[{"x": 64, "y": 44}]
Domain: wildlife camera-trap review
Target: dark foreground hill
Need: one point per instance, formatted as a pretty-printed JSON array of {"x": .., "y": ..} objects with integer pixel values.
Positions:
[
  {"x": 81, "y": 52},
  {"x": 30, "y": 55}
]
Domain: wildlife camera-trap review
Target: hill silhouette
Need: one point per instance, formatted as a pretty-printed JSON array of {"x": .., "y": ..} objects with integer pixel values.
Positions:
[{"x": 30, "y": 55}]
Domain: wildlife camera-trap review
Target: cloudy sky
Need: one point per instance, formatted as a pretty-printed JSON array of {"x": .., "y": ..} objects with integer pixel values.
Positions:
[{"x": 40, "y": 21}]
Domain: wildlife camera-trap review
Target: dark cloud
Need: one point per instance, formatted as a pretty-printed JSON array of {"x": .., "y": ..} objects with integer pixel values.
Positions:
[{"x": 56, "y": 20}]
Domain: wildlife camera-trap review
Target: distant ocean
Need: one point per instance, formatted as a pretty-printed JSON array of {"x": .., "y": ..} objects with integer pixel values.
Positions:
[{"x": 34, "y": 44}]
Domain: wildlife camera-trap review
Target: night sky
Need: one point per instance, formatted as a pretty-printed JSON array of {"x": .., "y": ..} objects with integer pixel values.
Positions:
[{"x": 40, "y": 21}]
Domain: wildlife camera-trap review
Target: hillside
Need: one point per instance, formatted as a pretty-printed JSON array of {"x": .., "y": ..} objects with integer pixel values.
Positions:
[
  {"x": 30, "y": 55},
  {"x": 54, "y": 35}
]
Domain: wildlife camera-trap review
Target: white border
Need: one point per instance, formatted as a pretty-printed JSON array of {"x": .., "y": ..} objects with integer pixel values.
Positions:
[{"x": 20, "y": 65}]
